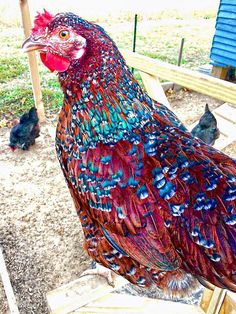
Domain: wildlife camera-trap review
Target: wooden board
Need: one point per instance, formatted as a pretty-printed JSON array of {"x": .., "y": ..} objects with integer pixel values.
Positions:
[
  {"x": 7, "y": 286},
  {"x": 80, "y": 292},
  {"x": 193, "y": 80},
  {"x": 228, "y": 306},
  {"x": 216, "y": 301},
  {"x": 33, "y": 66},
  {"x": 154, "y": 88},
  {"x": 230, "y": 303},
  {"x": 219, "y": 72},
  {"x": 206, "y": 297},
  {"x": 114, "y": 303},
  {"x": 226, "y": 122},
  {"x": 91, "y": 294}
]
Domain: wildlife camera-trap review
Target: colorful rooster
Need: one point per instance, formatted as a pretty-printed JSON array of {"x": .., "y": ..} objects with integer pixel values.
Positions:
[{"x": 155, "y": 203}]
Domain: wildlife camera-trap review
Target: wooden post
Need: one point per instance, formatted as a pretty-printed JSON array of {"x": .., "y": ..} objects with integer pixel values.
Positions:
[
  {"x": 219, "y": 72},
  {"x": 34, "y": 73},
  {"x": 7, "y": 286},
  {"x": 154, "y": 88},
  {"x": 216, "y": 301}
]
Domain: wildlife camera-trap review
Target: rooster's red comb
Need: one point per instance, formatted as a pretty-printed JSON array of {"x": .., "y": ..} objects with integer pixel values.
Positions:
[{"x": 41, "y": 21}]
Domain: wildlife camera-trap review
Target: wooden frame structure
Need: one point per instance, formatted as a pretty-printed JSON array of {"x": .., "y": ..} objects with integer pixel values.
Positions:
[
  {"x": 33, "y": 66},
  {"x": 93, "y": 295},
  {"x": 193, "y": 80}
]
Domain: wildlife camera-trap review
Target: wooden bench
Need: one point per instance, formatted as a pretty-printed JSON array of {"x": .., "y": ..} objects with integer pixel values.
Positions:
[{"x": 92, "y": 294}]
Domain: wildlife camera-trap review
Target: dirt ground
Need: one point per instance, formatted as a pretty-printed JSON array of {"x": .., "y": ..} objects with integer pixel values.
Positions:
[{"x": 40, "y": 233}]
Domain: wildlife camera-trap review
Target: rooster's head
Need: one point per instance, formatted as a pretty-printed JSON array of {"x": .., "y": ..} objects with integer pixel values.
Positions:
[{"x": 63, "y": 39}]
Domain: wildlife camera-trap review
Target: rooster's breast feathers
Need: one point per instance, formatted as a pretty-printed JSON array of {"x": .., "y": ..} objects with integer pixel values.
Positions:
[{"x": 162, "y": 197}]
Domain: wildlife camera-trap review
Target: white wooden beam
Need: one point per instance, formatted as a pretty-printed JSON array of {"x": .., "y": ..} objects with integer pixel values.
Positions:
[
  {"x": 33, "y": 66},
  {"x": 154, "y": 88},
  {"x": 7, "y": 286},
  {"x": 193, "y": 80},
  {"x": 80, "y": 292}
]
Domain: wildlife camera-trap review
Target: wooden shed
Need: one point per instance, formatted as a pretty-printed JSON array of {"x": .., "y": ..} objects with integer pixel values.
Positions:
[{"x": 223, "y": 49}]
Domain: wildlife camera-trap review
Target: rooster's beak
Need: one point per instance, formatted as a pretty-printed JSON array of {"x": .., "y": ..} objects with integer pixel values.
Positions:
[{"x": 31, "y": 44}]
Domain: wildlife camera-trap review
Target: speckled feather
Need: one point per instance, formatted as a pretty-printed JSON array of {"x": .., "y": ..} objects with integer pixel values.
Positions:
[{"x": 152, "y": 199}]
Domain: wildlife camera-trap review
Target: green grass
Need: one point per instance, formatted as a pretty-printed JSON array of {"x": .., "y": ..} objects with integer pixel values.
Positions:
[
  {"x": 17, "y": 100},
  {"x": 156, "y": 38},
  {"x": 11, "y": 68},
  {"x": 162, "y": 41}
]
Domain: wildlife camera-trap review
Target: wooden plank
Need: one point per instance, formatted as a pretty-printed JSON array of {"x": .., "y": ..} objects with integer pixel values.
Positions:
[
  {"x": 80, "y": 292},
  {"x": 230, "y": 303},
  {"x": 33, "y": 66},
  {"x": 216, "y": 301},
  {"x": 225, "y": 126},
  {"x": 219, "y": 72},
  {"x": 205, "y": 300},
  {"x": 226, "y": 121},
  {"x": 193, "y": 80},
  {"x": 154, "y": 88},
  {"x": 227, "y": 111},
  {"x": 223, "y": 142},
  {"x": 128, "y": 304},
  {"x": 7, "y": 286}
]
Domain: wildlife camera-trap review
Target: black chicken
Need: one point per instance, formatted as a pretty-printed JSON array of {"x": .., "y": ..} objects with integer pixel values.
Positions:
[
  {"x": 23, "y": 134},
  {"x": 206, "y": 129}
]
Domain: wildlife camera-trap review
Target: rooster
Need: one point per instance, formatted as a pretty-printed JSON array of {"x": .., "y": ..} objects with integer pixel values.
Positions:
[
  {"x": 206, "y": 129},
  {"x": 24, "y": 133},
  {"x": 155, "y": 203}
]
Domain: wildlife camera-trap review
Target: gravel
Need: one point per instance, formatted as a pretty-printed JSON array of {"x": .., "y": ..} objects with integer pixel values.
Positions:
[{"x": 40, "y": 233}]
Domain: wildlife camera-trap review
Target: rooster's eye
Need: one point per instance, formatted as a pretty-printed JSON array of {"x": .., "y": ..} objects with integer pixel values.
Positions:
[{"x": 64, "y": 35}]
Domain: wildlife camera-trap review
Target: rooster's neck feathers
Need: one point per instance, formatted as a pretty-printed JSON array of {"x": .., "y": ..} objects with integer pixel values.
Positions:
[
  {"x": 104, "y": 100},
  {"x": 107, "y": 104}
]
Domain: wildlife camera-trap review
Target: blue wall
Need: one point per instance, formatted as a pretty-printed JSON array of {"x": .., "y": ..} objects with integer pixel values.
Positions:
[{"x": 223, "y": 51}]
